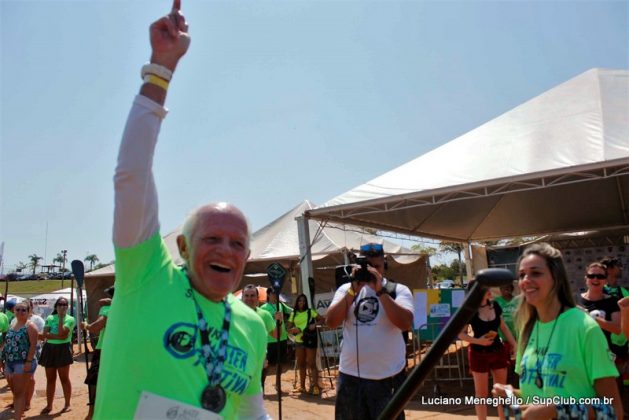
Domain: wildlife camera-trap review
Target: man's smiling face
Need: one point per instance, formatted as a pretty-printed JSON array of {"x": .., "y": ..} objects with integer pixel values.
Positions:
[{"x": 216, "y": 250}]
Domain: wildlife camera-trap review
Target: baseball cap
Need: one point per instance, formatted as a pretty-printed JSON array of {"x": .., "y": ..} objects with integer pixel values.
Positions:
[{"x": 372, "y": 250}]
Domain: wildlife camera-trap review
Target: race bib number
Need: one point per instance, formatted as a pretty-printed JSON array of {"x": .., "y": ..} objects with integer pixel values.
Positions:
[{"x": 153, "y": 406}]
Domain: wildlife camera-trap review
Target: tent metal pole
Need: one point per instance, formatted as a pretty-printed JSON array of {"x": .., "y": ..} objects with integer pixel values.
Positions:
[{"x": 306, "y": 271}]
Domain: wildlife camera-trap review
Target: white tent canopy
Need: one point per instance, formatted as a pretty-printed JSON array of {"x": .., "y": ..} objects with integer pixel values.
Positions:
[
  {"x": 280, "y": 240},
  {"x": 44, "y": 304},
  {"x": 557, "y": 163}
]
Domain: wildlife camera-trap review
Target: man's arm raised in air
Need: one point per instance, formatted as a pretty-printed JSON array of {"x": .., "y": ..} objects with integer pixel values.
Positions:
[{"x": 135, "y": 213}]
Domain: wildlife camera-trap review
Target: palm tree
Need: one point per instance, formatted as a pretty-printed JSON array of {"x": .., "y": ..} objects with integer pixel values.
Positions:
[
  {"x": 34, "y": 261},
  {"x": 92, "y": 259},
  {"x": 60, "y": 259}
]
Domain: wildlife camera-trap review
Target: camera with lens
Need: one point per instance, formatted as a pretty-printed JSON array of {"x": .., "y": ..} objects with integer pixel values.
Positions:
[{"x": 363, "y": 275}]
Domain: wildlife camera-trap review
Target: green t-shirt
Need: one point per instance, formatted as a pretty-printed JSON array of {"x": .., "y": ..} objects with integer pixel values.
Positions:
[
  {"x": 300, "y": 319},
  {"x": 153, "y": 343},
  {"x": 4, "y": 323},
  {"x": 267, "y": 319},
  {"x": 578, "y": 355},
  {"x": 52, "y": 322},
  {"x": 104, "y": 310},
  {"x": 270, "y": 308},
  {"x": 508, "y": 313},
  {"x": 10, "y": 315},
  {"x": 617, "y": 292},
  {"x": 4, "y": 326}
]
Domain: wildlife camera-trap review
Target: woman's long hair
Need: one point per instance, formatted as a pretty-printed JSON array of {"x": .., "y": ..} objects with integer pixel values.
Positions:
[
  {"x": 526, "y": 314},
  {"x": 54, "y": 311},
  {"x": 296, "y": 307}
]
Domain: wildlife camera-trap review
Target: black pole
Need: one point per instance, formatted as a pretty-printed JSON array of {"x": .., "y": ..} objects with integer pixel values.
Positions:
[
  {"x": 311, "y": 289},
  {"x": 278, "y": 366},
  {"x": 6, "y": 294},
  {"x": 491, "y": 277},
  {"x": 277, "y": 274},
  {"x": 79, "y": 275}
]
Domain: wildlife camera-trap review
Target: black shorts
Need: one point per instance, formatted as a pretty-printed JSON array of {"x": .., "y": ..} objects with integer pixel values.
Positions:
[
  {"x": 271, "y": 352},
  {"x": 56, "y": 355}
]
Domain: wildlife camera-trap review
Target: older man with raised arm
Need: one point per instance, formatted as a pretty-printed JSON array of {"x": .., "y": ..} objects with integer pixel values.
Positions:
[{"x": 177, "y": 342}]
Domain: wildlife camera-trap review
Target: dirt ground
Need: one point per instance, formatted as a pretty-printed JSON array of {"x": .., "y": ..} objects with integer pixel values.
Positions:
[{"x": 294, "y": 406}]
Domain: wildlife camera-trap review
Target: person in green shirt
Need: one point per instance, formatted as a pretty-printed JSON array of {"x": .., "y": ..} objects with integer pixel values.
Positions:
[
  {"x": 251, "y": 298},
  {"x": 509, "y": 303},
  {"x": 272, "y": 344},
  {"x": 10, "y": 304},
  {"x": 56, "y": 355},
  {"x": 98, "y": 328},
  {"x": 614, "y": 289},
  {"x": 302, "y": 319},
  {"x": 4, "y": 326},
  {"x": 178, "y": 342},
  {"x": 562, "y": 351}
]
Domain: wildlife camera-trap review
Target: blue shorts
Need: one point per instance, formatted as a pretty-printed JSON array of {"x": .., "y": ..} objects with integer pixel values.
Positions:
[{"x": 17, "y": 368}]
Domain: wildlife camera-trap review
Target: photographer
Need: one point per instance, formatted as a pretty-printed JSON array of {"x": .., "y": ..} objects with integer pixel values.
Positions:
[{"x": 374, "y": 312}]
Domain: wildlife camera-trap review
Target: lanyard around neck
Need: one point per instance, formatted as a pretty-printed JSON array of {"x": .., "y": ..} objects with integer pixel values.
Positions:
[{"x": 213, "y": 368}]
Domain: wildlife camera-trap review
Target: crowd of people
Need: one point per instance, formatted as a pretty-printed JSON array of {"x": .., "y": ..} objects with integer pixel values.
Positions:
[
  {"x": 27, "y": 342},
  {"x": 210, "y": 350}
]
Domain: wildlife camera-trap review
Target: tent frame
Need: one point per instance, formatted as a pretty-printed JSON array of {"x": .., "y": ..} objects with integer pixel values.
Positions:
[{"x": 358, "y": 213}]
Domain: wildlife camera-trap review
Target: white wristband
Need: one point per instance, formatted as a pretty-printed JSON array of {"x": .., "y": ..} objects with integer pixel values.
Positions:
[{"x": 158, "y": 70}]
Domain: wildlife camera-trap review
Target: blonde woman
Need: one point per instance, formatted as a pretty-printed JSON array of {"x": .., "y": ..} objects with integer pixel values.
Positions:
[
  {"x": 562, "y": 351},
  {"x": 19, "y": 356}
]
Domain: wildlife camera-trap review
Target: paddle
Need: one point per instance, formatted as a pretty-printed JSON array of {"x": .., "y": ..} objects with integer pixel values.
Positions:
[
  {"x": 79, "y": 275},
  {"x": 277, "y": 275}
]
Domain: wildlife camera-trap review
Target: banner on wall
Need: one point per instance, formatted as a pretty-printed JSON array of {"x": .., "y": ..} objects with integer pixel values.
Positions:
[
  {"x": 322, "y": 302},
  {"x": 433, "y": 310}
]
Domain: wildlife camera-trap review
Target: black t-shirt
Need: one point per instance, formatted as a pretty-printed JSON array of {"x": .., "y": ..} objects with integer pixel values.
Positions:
[
  {"x": 609, "y": 305},
  {"x": 480, "y": 328}
]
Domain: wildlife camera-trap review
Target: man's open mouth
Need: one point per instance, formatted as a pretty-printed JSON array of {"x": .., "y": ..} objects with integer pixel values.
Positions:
[{"x": 219, "y": 268}]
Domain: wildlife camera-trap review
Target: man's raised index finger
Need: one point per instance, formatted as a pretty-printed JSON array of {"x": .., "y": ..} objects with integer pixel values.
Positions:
[{"x": 176, "y": 5}]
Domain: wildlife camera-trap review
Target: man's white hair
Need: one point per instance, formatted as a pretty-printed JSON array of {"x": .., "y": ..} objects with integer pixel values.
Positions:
[{"x": 191, "y": 221}]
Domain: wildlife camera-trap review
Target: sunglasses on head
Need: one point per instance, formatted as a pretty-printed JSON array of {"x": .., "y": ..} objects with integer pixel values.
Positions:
[
  {"x": 371, "y": 248},
  {"x": 596, "y": 276}
]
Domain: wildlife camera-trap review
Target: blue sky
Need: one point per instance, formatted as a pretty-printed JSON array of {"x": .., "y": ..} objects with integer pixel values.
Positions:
[{"x": 275, "y": 102}]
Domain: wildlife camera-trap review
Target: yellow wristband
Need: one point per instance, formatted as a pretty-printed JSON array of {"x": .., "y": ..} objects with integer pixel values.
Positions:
[
  {"x": 155, "y": 80},
  {"x": 351, "y": 292}
]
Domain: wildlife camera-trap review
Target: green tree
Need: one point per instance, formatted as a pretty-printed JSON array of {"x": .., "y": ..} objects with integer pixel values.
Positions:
[
  {"x": 442, "y": 272},
  {"x": 92, "y": 259},
  {"x": 458, "y": 267},
  {"x": 20, "y": 266},
  {"x": 422, "y": 249},
  {"x": 34, "y": 261},
  {"x": 454, "y": 247}
]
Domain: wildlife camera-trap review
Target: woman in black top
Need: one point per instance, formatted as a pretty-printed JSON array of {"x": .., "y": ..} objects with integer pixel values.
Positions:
[{"x": 486, "y": 351}]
